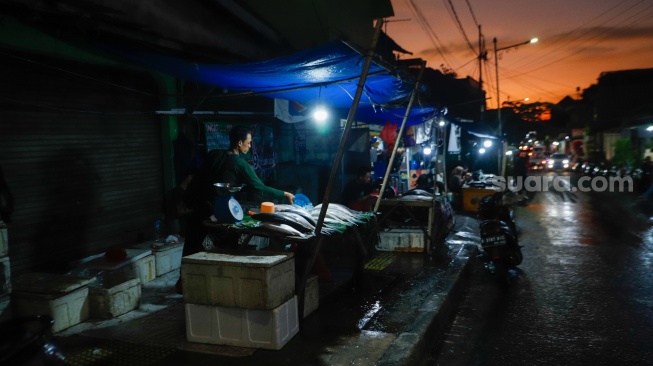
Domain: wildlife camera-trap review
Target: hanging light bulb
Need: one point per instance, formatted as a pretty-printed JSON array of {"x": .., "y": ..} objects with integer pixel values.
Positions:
[
  {"x": 487, "y": 143},
  {"x": 427, "y": 150},
  {"x": 320, "y": 113}
]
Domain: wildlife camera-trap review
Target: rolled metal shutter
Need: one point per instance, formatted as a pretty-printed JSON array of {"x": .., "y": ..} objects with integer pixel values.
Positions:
[{"x": 80, "y": 147}]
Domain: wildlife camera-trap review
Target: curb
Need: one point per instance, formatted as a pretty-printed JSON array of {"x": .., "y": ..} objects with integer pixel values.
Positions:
[{"x": 413, "y": 346}]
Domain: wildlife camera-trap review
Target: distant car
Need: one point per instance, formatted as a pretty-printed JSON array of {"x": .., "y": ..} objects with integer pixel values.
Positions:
[
  {"x": 558, "y": 161},
  {"x": 538, "y": 164}
]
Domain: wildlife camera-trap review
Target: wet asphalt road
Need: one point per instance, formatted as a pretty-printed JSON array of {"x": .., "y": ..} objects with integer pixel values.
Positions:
[{"x": 584, "y": 295}]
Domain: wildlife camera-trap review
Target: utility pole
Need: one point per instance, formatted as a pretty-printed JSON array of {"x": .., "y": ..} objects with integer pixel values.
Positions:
[
  {"x": 482, "y": 56},
  {"x": 496, "y": 72}
]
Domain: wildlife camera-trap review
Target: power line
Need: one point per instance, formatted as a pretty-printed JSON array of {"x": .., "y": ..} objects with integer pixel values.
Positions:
[
  {"x": 580, "y": 33},
  {"x": 424, "y": 23},
  {"x": 454, "y": 15},
  {"x": 471, "y": 11},
  {"x": 597, "y": 39}
]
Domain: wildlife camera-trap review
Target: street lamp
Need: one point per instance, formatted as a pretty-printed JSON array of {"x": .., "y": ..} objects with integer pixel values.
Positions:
[{"x": 496, "y": 72}]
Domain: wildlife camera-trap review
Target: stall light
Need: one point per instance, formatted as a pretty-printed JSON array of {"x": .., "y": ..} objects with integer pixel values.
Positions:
[
  {"x": 320, "y": 114},
  {"x": 427, "y": 150},
  {"x": 481, "y": 150},
  {"x": 649, "y": 128},
  {"x": 509, "y": 153},
  {"x": 441, "y": 123},
  {"x": 566, "y": 137},
  {"x": 555, "y": 143},
  {"x": 487, "y": 143}
]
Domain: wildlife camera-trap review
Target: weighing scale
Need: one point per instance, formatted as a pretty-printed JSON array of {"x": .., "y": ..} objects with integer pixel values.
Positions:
[{"x": 225, "y": 208}]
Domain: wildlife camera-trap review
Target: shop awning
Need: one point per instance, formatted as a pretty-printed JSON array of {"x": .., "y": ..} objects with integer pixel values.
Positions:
[{"x": 327, "y": 74}]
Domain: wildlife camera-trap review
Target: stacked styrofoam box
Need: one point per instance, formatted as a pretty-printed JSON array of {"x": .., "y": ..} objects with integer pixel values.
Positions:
[
  {"x": 167, "y": 257},
  {"x": 401, "y": 239},
  {"x": 243, "y": 281},
  {"x": 268, "y": 329},
  {"x": 115, "y": 297},
  {"x": 64, "y": 298},
  {"x": 138, "y": 264},
  {"x": 240, "y": 300}
]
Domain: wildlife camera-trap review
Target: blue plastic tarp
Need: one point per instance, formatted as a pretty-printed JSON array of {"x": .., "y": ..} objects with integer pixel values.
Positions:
[{"x": 327, "y": 74}]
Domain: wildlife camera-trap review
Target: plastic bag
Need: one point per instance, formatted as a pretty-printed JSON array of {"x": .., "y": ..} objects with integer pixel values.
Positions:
[{"x": 389, "y": 133}]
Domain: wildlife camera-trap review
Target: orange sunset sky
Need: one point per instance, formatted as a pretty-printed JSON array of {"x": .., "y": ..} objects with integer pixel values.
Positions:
[{"x": 578, "y": 40}]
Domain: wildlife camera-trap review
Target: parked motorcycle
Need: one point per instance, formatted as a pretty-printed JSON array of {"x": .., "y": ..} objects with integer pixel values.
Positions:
[
  {"x": 499, "y": 241},
  {"x": 23, "y": 341}
]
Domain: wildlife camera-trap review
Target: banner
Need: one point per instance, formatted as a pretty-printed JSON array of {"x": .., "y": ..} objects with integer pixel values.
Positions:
[
  {"x": 454, "y": 139},
  {"x": 289, "y": 111}
]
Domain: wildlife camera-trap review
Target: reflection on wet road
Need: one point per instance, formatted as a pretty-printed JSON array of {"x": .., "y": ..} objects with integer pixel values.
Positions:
[{"x": 584, "y": 294}]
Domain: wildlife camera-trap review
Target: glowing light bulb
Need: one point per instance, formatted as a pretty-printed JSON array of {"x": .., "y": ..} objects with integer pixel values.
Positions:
[{"x": 320, "y": 114}]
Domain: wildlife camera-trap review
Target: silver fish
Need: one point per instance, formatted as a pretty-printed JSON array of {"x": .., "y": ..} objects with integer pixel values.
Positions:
[{"x": 281, "y": 228}]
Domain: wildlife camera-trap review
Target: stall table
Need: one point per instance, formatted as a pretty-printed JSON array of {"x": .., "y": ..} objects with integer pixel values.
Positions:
[{"x": 409, "y": 208}]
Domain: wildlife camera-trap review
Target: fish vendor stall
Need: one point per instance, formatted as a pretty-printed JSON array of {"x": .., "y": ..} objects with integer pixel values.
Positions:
[{"x": 251, "y": 289}]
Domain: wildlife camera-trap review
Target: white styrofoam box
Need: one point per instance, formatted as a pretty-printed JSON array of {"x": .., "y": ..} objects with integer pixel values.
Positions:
[
  {"x": 64, "y": 298},
  {"x": 401, "y": 239},
  {"x": 5, "y": 276},
  {"x": 311, "y": 296},
  {"x": 142, "y": 269},
  {"x": 167, "y": 257},
  {"x": 268, "y": 329},
  {"x": 138, "y": 264},
  {"x": 109, "y": 300},
  {"x": 241, "y": 281},
  {"x": 4, "y": 240},
  {"x": 145, "y": 269},
  {"x": 67, "y": 310}
]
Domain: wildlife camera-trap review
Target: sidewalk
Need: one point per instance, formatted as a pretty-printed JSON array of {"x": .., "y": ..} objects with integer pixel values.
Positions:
[{"x": 393, "y": 318}]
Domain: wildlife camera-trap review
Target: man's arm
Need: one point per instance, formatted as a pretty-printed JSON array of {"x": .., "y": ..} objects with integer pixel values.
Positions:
[{"x": 247, "y": 174}]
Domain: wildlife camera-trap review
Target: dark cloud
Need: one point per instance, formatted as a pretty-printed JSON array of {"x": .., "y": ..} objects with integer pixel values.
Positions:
[{"x": 605, "y": 34}]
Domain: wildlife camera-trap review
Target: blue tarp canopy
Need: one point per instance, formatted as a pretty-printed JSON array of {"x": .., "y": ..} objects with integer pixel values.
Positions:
[{"x": 328, "y": 74}]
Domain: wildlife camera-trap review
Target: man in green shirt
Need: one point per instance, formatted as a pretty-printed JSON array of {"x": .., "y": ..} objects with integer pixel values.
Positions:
[
  {"x": 222, "y": 166},
  {"x": 228, "y": 166}
]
